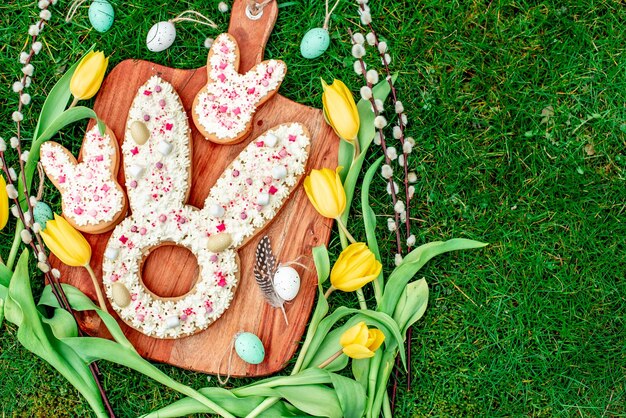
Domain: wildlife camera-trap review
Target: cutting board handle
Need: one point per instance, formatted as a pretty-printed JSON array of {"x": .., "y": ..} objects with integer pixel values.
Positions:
[{"x": 251, "y": 35}]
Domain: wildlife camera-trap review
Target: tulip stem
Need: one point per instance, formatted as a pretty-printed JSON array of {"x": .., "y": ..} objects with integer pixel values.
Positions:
[
  {"x": 74, "y": 102},
  {"x": 329, "y": 291},
  {"x": 330, "y": 359},
  {"x": 103, "y": 305},
  {"x": 361, "y": 298},
  {"x": 345, "y": 230},
  {"x": 17, "y": 239},
  {"x": 357, "y": 148}
]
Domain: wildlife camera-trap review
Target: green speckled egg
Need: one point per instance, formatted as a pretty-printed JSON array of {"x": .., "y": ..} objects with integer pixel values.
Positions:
[
  {"x": 314, "y": 43},
  {"x": 101, "y": 15},
  {"x": 42, "y": 214},
  {"x": 250, "y": 348}
]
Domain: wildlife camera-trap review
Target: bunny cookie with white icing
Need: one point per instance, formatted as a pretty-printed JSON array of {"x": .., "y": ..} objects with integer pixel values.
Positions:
[
  {"x": 157, "y": 161},
  {"x": 92, "y": 200},
  {"x": 223, "y": 109}
]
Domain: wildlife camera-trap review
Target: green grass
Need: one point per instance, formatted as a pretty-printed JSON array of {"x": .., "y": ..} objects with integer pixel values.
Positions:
[{"x": 532, "y": 325}]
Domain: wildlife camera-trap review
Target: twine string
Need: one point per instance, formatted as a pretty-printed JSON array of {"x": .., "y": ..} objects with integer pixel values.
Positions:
[
  {"x": 194, "y": 17},
  {"x": 327, "y": 16},
  {"x": 73, "y": 9},
  {"x": 229, "y": 351},
  {"x": 256, "y": 9}
]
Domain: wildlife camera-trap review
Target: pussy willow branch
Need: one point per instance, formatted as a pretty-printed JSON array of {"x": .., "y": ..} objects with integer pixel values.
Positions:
[
  {"x": 38, "y": 246},
  {"x": 20, "y": 105},
  {"x": 384, "y": 145},
  {"x": 402, "y": 126}
]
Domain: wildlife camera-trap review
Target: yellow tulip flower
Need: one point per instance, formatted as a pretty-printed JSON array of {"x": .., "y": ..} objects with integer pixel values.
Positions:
[
  {"x": 340, "y": 110},
  {"x": 4, "y": 203},
  {"x": 88, "y": 76},
  {"x": 71, "y": 247},
  {"x": 359, "y": 342},
  {"x": 66, "y": 242},
  {"x": 326, "y": 193},
  {"x": 355, "y": 267}
]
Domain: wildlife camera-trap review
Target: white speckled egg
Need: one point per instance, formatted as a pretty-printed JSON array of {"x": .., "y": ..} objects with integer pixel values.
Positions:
[
  {"x": 101, "y": 15},
  {"x": 249, "y": 348},
  {"x": 287, "y": 283},
  {"x": 161, "y": 36},
  {"x": 314, "y": 43}
]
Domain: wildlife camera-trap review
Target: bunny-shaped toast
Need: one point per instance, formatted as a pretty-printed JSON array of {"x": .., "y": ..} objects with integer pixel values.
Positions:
[
  {"x": 223, "y": 109},
  {"x": 92, "y": 200},
  {"x": 157, "y": 162}
]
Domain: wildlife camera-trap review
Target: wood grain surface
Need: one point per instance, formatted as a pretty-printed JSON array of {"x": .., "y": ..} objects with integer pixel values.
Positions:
[{"x": 171, "y": 271}]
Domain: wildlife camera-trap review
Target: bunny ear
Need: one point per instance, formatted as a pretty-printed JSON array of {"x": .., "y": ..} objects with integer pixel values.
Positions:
[
  {"x": 257, "y": 183},
  {"x": 92, "y": 199},
  {"x": 157, "y": 148},
  {"x": 58, "y": 163},
  {"x": 223, "y": 59},
  {"x": 264, "y": 78}
]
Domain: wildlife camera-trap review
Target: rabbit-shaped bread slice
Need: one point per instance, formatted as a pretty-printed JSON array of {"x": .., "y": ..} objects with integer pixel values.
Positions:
[
  {"x": 223, "y": 110},
  {"x": 158, "y": 171},
  {"x": 92, "y": 200}
]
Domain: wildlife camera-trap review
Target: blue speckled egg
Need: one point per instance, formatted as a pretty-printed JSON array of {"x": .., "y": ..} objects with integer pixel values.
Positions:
[
  {"x": 42, "y": 214},
  {"x": 101, "y": 15},
  {"x": 250, "y": 348},
  {"x": 314, "y": 43}
]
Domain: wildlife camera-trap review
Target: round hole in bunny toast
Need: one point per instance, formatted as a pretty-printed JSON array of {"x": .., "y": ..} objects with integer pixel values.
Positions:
[
  {"x": 169, "y": 271},
  {"x": 242, "y": 202}
]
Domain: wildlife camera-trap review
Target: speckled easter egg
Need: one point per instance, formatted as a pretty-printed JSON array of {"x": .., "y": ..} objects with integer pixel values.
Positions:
[
  {"x": 161, "y": 36},
  {"x": 250, "y": 348},
  {"x": 101, "y": 15},
  {"x": 314, "y": 43},
  {"x": 42, "y": 214},
  {"x": 287, "y": 283}
]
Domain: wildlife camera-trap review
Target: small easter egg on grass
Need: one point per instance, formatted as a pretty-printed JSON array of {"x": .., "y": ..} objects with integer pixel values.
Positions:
[
  {"x": 249, "y": 348},
  {"x": 161, "y": 36},
  {"x": 286, "y": 283},
  {"x": 42, "y": 214},
  {"x": 101, "y": 15},
  {"x": 314, "y": 43}
]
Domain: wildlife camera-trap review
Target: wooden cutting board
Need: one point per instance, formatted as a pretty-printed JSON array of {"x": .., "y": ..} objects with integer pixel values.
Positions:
[{"x": 170, "y": 271}]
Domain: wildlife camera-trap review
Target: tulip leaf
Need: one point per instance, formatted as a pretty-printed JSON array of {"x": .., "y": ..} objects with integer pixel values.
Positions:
[
  {"x": 411, "y": 305},
  {"x": 360, "y": 371},
  {"x": 369, "y": 217},
  {"x": 321, "y": 309},
  {"x": 351, "y": 396},
  {"x": 369, "y": 221},
  {"x": 62, "y": 324},
  {"x": 57, "y": 99},
  {"x": 322, "y": 263},
  {"x": 378, "y": 382},
  {"x": 315, "y": 400},
  {"x": 238, "y": 406},
  {"x": 413, "y": 262},
  {"x": 120, "y": 352},
  {"x": 344, "y": 158},
  {"x": 38, "y": 337},
  {"x": 373, "y": 379},
  {"x": 5, "y": 275}
]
